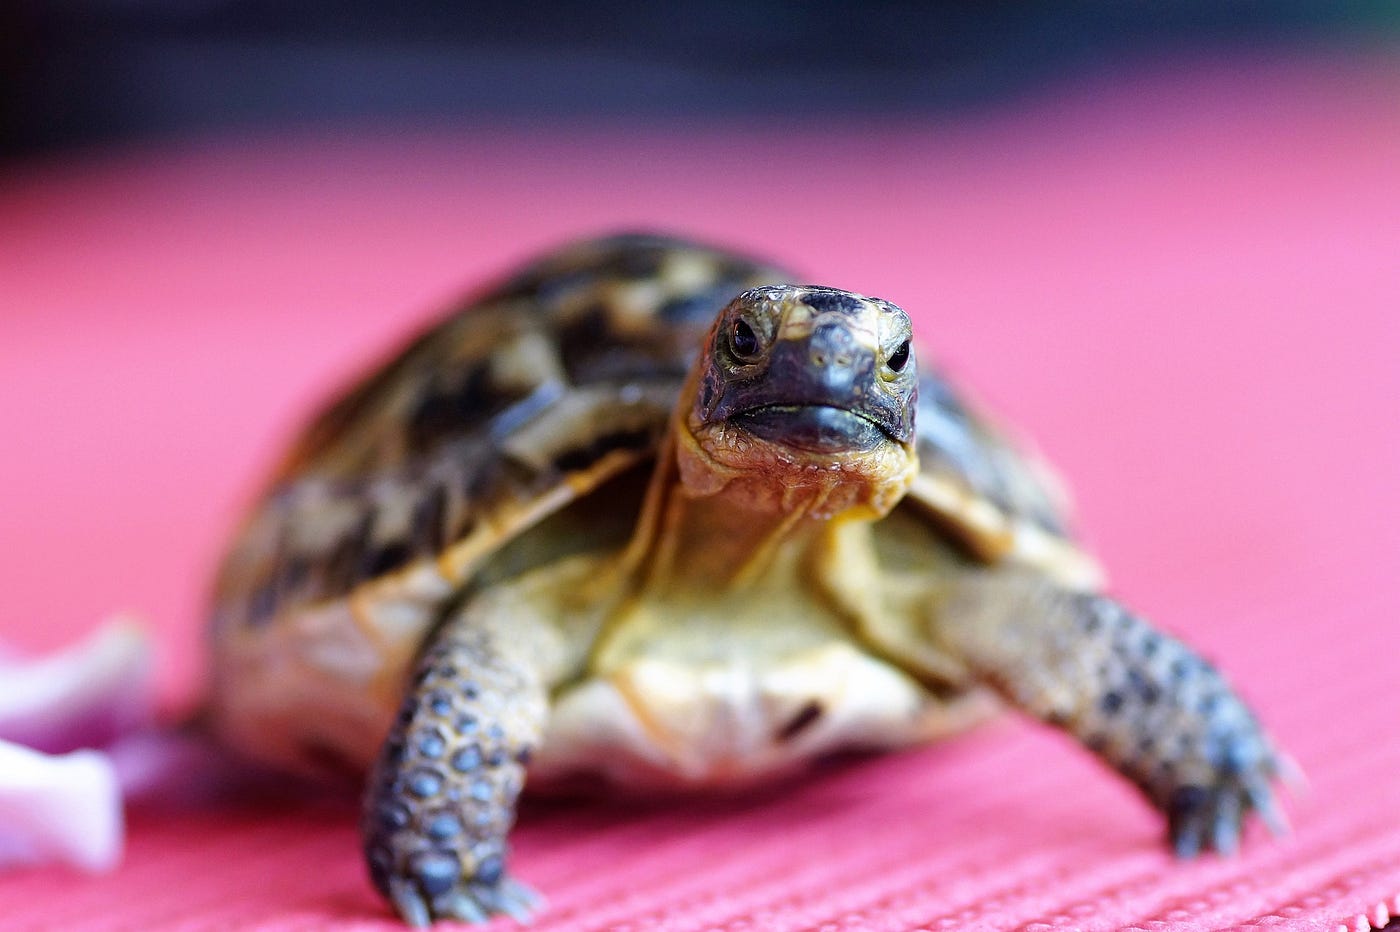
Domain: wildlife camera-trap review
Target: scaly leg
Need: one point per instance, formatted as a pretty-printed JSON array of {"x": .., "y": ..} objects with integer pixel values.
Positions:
[
  {"x": 441, "y": 799},
  {"x": 1141, "y": 700}
]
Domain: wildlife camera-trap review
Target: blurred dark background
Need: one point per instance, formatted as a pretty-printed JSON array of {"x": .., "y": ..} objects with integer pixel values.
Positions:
[{"x": 82, "y": 72}]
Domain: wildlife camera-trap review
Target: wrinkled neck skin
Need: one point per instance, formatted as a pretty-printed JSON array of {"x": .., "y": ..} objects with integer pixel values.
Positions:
[{"x": 727, "y": 511}]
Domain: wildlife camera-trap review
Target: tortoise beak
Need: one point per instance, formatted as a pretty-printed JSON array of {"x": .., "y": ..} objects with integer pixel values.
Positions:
[
  {"x": 820, "y": 392},
  {"x": 813, "y": 428}
]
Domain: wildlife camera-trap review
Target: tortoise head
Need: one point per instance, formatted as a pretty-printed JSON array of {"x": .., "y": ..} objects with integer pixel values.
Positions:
[{"x": 803, "y": 388}]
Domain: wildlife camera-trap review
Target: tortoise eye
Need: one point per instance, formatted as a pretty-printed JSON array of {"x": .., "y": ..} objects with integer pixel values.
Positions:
[
  {"x": 899, "y": 358},
  {"x": 743, "y": 340}
]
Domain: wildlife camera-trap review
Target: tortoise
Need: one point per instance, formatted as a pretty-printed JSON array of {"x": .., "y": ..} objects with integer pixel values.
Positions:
[{"x": 646, "y": 512}]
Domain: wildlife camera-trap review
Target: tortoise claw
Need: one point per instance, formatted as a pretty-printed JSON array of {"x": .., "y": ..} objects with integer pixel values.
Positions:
[
  {"x": 1187, "y": 822},
  {"x": 476, "y": 902},
  {"x": 468, "y": 901},
  {"x": 409, "y": 903},
  {"x": 528, "y": 896},
  {"x": 460, "y": 906},
  {"x": 517, "y": 901},
  {"x": 1212, "y": 816},
  {"x": 1263, "y": 800}
]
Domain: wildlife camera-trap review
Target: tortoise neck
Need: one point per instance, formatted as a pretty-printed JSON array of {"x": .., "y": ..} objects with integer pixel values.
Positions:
[
  {"x": 728, "y": 535},
  {"x": 720, "y": 540}
]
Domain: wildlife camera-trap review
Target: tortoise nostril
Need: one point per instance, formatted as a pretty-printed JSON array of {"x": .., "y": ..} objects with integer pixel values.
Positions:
[{"x": 832, "y": 345}]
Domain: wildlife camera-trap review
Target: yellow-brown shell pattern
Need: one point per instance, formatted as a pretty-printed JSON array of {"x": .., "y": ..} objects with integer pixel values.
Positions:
[{"x": 533, "y": 393}]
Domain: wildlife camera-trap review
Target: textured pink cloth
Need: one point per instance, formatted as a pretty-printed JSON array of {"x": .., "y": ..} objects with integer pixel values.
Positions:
[{"x": 1185, "y": 288}]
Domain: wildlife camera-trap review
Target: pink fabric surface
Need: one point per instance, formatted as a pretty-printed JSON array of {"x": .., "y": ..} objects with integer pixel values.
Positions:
[{"x": 1185, "y": 288}]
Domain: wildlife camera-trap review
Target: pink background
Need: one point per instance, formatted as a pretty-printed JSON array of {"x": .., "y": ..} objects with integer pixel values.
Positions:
[{"x": 1185, "y": 287}]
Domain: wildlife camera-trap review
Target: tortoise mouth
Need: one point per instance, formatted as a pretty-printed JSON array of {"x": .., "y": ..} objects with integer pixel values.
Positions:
[{"x": 813, "y": 428}]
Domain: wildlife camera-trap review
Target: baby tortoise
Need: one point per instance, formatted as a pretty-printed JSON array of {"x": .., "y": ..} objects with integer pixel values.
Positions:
[{"x": 642, "y": 513}]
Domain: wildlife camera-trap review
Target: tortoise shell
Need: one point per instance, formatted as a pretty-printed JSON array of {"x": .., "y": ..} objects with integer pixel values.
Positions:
[{"x": 450, "y": 467}]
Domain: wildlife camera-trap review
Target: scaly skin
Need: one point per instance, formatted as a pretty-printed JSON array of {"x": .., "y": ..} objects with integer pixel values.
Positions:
[
  {"x": 1145, "y": 703},
  {"x": 441, "y": 798}
]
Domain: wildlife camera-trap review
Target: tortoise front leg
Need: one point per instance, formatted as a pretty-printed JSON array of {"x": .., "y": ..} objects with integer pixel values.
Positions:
[
  {"x": 441, "y": 799},
  {"x": 1143, "y": 701}
]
